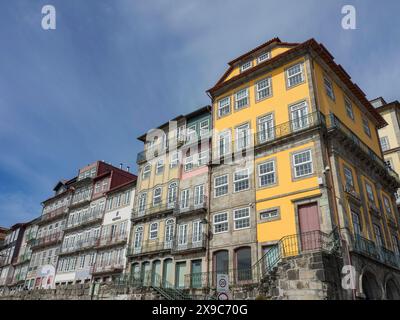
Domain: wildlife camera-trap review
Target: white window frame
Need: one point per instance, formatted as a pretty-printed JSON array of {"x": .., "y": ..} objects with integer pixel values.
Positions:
[
  {"x": 269, "y": 214},
  {"x": 224, "y": 222},
  {"x": 191, "y": 132},
  {"x": 273, "y": 172},
  {"x": 226, "y": 138},
  {"x": 189, "y": 163},
  {"x": 243, "y": 141},
  {"x": 146, "y": 171},
  {"x": 310, "y": 162},
  {"x": 199, "y": 195},
  {"x": 157, "y": 196},
  {"x": 197, "y": 231},
  {"x": 241, "y": 218},
  {"x": 365, "y": 124},
  {"x": 267, "y": 87},
  {"x": 172, "y": 190},
  {"x": 289, "y": 77},
  {"x": 246, "y": 65},
  {"x": 266, "y": 128},
  {"x": 153, "y": 232},
  {"x": 216, "y": 187},
  {"x": 203, "y": 158},
  {"x": 160, "y": 166},
  {"x": 328, "y": 85},
  {"x": 204, "y": 127},
  {"x": 183, "y": 234},
  {"x": 235, "y": 180},
  {"x": 264, "y": 57},
  {"x": 239, "y": 100},
  {"x": 384, "y": 141},
  {"x": 224, "y": 104},
  {"x": 349, "y": 108},
  {"x": 185, "y": 199},
  {"x": 174, "y": 159},
  {"x": 302, "y": 121}
]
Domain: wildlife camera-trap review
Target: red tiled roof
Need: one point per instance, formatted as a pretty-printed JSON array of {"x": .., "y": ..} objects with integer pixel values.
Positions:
[{"x": 328, "y": 59}]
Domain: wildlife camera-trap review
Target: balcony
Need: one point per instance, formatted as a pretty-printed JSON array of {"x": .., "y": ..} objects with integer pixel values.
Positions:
[
  {"x": 25, "y": 257},
  {"x": 53, "y": 215},
  {"x": 47, "y": 240},
  {"x": 149, "y": 211},
  {"x": 31, "y": 235},
  {"x": 88, "y": 219},
  {"x": 190, "y": 246},
  {"x": 349, "y": 139},
  {"x": 349, "y": 189},
  {"x": 378, "y": 253},
  {"x": 3, "y": 261},
  {"x": 290, "y": 128},
  {"x": 79, "y": 246},
  {"x": 149, "y": 247},
  {"x": 111, "y": 241},
  {"x": 191, "y": 206},
  {"x": 374, "y": 209},
  {"x": 112, "y": 267}
]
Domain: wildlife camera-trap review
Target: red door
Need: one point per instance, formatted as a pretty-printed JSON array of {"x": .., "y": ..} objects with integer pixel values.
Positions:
[{"x": 309, "y": 227}]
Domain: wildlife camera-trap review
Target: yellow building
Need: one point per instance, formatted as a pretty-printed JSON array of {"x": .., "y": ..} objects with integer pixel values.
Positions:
[
  {"x": 308, "y": 140},
  {"x": 390, "y": 135}
]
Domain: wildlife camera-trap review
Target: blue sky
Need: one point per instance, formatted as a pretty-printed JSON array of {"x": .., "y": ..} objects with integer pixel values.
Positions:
[{"x": 115, "y": 68}]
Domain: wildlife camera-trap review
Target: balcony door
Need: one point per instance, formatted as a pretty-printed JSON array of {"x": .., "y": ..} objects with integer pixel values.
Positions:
[
  {"x": 266, "y": 128},
  {"x": 298, "y": 116}
]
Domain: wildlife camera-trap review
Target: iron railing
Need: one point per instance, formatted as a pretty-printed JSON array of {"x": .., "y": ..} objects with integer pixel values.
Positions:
[
  {"x": 113, "y": 266},
  {"x": 47, "y": 240},
  {"x": 24, "y": 257},
  {"x": 141, "y": 211},
  {"x": 54, "y": 214},
  {"x": 191, "y": 205},
  {"x": 79, "y": 245},
  {"x": 334, "y": 123},
  {"x": 150, "y": 246},
  {"x": 88, "y": 218},
  {"x": 190, "y": 245},
  {"x": 106, "y": 241},
  {"x": 294, "y": 245}
]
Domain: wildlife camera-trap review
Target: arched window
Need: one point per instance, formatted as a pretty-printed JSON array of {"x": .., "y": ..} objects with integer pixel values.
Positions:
[
  {"x": 142, "y": 203},
  {"x": 157, "y": 196},
  {"x": 169, "y": 232},
  {"x": 243, "y": 264},
  {"x": 137, "y": 241},
  {"x": 172, "y": 193}
]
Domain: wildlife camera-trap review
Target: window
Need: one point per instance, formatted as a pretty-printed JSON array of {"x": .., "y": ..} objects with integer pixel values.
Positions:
[
  {"x": 157, "y": 196},
  {"x": 266, "y": 128},
  {"x": 142, "y": 203},
  {"x": 243, "y": 137},
  {"x": 271, "y": 214},
  {"x": 241, "y": 98},
  {"x": 174, "y": 159},
  {"x": 97, "y": 187},
  {"x": 197, "y": 228},
  {"x": 349, "y": 108},
  {"x": 203, "y": 158},
  {"x": 204, "y": 127},
  {"x": 384, "y": 143},
  {"x": 388, "y": 163},
  {"x": 295, "y": 75},
  {"x": 146, "y": 171},
  {"x": 185, "y": 198},
  {"x": 137, "y": 243},
  {"x": 264, "y": 88},
  {"x": 189, "y": 163},
  {"x": 329, "y": 88},
  {"x": 153, "y": 234},
  {"x": 298, "y": 116},
  {"x": 370, "y": 193},
  {"x": 169, "y": 230},
  {"x": 263, "y": 56},
  {"x": 172, "y": 193},
  {"x": 241, "y": 218},
  {"x": 191, "y": 133},
  {"x": 182, "y": 234},
  {"x": 199, "y": 195},
  {"x": 387, "y": 205},
  {"x": 221, "y": 185},
  {"x": 366, "y": 128},
  {"x": 160, "y": 166},
  {"x": 224, "y": 140},
  {"x": 348, "y": 176},
  {"x": 221, "y": 222},
  {"x": 243, "y": 264},
  {"x": 224, "y": 107},
  {"x": 266, "y": 173},
  {"x": 302, "y": 163},
  {"x": 241, "y": 180},
  {"x": 221, "y": 259},
  {"x": 356, "y": 223},
  {"x": 396, "y": 245},
  {"x": 127, "y": 197},
  {"x": 245, "y": 66},
  {"x": 378, "y": 235}
]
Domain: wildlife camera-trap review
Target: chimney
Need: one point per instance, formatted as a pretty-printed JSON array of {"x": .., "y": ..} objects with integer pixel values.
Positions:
[
  {"x": 127, "y": 168},
  {"x": 120, "y": 165}
]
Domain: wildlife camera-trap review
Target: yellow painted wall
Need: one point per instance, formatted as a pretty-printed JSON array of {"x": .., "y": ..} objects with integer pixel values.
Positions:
[{"x": 337, "y": 107}]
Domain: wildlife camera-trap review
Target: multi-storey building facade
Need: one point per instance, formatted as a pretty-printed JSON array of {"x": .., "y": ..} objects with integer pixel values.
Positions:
[
  {"x": 317, "y": 165},
  {"x": 168, "y": 239},
  {"x": 114, "y": 235},
  {"x": 9, "y": 252},
  {"x": 46, "y": 246},
  {"x": 77, "y": 254},
  {"x": 390, "y": 135},
  {"x": 22, "y": 262}
]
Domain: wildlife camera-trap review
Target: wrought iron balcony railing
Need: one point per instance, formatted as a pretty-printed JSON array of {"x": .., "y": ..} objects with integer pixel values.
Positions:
[
  {"x": 351, "y": 191},
  {"x": 191, "y": 244},
  {"x": 88, "y": 218},
  {"x": 112, "y": 240},
  {"x": 150, "y": 246},
  {"x": 24, "y": 257},
  {"x": 112, "y": 266},
  {"x": 47, "y": 240},
  {"x": 79, "y": 245},
  {"x": 148, "y": 210},
  {"x": 54, "y": 214},
  {"x": 191, "y": 205}
]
